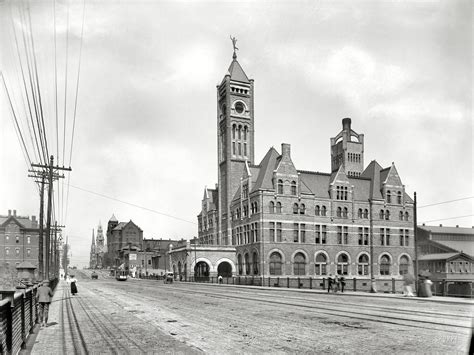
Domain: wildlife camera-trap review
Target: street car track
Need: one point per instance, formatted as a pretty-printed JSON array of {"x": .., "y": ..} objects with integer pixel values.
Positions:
[
  {"x": 378, "y": 314},
  {"x": 79, "y": 344}
]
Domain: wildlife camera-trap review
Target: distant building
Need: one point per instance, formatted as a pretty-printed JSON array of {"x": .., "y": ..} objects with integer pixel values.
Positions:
[
  {"x": 447, "y": 255},
  {"x": 98, "y": 249},
  {"x": 19, "y": 236},
  {"x": 122, "y": 238}
]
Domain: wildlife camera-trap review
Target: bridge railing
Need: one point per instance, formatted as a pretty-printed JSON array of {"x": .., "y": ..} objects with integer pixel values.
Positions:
[{"x": 18, "y": 316}]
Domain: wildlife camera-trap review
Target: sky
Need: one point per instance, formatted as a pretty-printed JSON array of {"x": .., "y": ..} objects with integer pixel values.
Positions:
[{"x": 144, "y": 117}]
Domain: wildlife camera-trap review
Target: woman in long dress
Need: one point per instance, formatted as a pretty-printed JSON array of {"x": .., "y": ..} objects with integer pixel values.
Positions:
[{"x": 73, "y": 285}]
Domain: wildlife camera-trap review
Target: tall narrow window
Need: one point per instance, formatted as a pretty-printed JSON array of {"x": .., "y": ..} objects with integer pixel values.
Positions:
[
  {"x": 400, "y": 215},
  {"x": 295, "y": 232},
  {"x": 323, "y": 211},
  {"x": 245, "y": 149},
  {"x": 389, "y": 197},
  {"x": 317, "y": 238},
  {"x": 302, "y": 209},
  {"x": 363, "y": 265},
  {"x": 345, "y": 212},
  {"x": 366, "y": 213},
  {"x": 299, "y": 266},
  {"x": 384, "y": 265},
  {"x": 359, "y": 213},
  {"x": 247, "y": 264},
  {"x": 271, "y": 207},
  {"x": 272, "y": 231},
  {"x": 275, "y": 264},
  {"x": 324, "y": 233},
  {"x": 339, "y": 212},
  {"x": 406, "y": 216},
  {"x": 361, "y": 236},
  {"x": 342, "y": 264},
  {"x": 317, "y": 210},
  {"x": 346, "y": 234},
  {"x": 295, "y": 208},
  {"x": 233, "y": 148},
  {"x": 403, "y": 266},
  {"x": 255, "y": 263},
  {"x": 387, "y": 215},
  {"x": 245, "y": 133},
  {"x": 339, "y": 235},
  {"x": 280, "y": 186},
  {"x": 320, "y": 265},
  {"x": 239, "y": 132},
  {"x": 293, "y": 188},
  {"x": 381, "y": 214},
  {"x": 279, "y": 233},
  {"x": 302, "y": 233},
  {"x": 233, "y": 131},
  {"x": 240, "y": 148},
  {"x": 278, "y": 207},
  {"x": 399, "y": 197}
]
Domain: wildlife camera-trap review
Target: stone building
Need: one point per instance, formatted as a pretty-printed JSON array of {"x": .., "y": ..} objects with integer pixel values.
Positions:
[
  {"x": 98, "y": 249},
  {"x": 291, "y": 222},
  {"x": 19, "y": 240}
]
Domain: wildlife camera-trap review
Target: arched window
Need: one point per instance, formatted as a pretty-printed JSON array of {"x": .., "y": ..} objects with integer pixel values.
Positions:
[
  {"x": 344, "y": 212},
  {"x": 359, "y": 213},
  {"x": 339, "y": 212},
  {"x": 403, "y": 266},
  {"x": 247, "y": 264},
  {"x": 239, "y": 262},
  {"x": 399, "y": 197},
  {"x": 280, "y": 186},
  {"x": 299, "y": 265},
  {"x": 233, "y": 131},
  {"x": 320, "y": 265},
  {"x": 323, "y": 211},
  {"x": 302, "y": 209},
  {"x": 239, "y": 133},
  {"x": 255, "y": 263},
  {"x": 295, "y": 208},
  {"x": 400, "y": 216},
  {"x": 245, "y": 133},
  {"x": 317, "y": 210},
  {"x": 275, "y": 264},
  {"x": 389, "y": 196},
  {"x": 406, "y": 216},
  {"x": 384, "y": 265},
  {"x": 293, "y": 188},
  {"x": 363, "y": 265},
  {"x": 342, "y": 264},
  {"x": 278, "y": 207},
  {"x": 381, "y": 214},
  {"x": 271, "y": 207},
  {"x": 387, "y": 215},
  {"x": 366, "y": 213}
]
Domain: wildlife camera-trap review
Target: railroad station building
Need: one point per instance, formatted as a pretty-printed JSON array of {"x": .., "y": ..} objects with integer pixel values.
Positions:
[{"x": 279, "y": 220}]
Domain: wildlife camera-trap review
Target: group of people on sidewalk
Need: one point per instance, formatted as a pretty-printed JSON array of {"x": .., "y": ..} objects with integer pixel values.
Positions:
[{"x": 336, "y": 283}]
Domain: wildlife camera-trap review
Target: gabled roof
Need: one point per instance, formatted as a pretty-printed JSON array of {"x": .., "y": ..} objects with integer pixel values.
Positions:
[
  {"x": 372, "y": 171},
  {"x": 120, "y": 226},
  {"x": 339, "y": 176},
  {"x": 113, "y": 219},
  {"x": 443, "y": 256},
  {"x": 266, "y": 168},
  {"x": 23, "y": 222},
  {"x": 237, "y": 73}
]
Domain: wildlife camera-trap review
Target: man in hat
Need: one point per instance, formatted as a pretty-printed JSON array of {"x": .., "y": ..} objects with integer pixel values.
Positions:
[{"x": 44, "y": 295}]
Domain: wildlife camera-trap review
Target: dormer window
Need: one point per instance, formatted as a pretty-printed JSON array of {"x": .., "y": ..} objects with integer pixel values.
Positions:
[
  {"x": 341, "y": 193},
  {"x": 293, "y": 188},
  {"x": 280, "y": 187}
]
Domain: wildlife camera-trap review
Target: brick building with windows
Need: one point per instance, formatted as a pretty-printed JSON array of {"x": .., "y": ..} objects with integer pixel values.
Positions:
[
  {"x": 296, "y": 223},
  {"x": 18, "y": 240}
]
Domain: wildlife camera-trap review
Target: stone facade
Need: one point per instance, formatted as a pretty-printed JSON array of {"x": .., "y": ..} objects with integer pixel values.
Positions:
[
  {"x": 285, "y": 221},
  {"x": 122, "y": 237}
]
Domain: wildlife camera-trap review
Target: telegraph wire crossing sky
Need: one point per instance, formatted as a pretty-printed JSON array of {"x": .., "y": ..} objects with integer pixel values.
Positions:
[{"x": 144, "y": 76}]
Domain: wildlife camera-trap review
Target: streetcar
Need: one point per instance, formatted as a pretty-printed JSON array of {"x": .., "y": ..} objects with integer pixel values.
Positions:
[{"x": 121, "y": 275}]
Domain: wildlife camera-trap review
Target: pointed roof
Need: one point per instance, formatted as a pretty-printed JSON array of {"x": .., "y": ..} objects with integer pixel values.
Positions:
[
  {"x": 113, "y": 219},
  {"x": 339, "y": 176},
  {"x": 236, "y": 72},
  {"x": 93, "y": 238},
  {"x": 267, "y": 166},
  {"x": 373, "y": 173}
]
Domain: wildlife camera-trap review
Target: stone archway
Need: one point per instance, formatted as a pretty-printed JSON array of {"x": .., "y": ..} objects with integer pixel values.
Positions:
[
  {"x": 224, "y": 269},
  {"x": 201, "y": 271}
]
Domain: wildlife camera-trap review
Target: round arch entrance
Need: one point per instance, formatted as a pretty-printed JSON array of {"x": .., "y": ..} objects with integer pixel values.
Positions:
[
  {"x": 201, "y": 271},
  {"x": 224, "y": 269}
]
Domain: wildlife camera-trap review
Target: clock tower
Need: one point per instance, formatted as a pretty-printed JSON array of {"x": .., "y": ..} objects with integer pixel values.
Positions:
[{"x": 235, "y": 131}]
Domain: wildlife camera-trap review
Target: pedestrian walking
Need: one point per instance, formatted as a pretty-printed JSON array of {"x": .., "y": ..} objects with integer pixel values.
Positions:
[
  {"x": 336, "y": 283},
  {"x": 342, "y": 281},
  {"x": 73, "y": 281},
  {"x": 43, "y": 296},
  {"x": 407, "y": 282},
  {"x": 330, "y": 281}
]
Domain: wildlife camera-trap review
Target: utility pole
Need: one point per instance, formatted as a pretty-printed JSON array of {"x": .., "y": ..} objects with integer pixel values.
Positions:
[
  {"x": 51, "y": 173},
  {"x": 54, "y": 249},
  {"x": 415, "y": 242}
]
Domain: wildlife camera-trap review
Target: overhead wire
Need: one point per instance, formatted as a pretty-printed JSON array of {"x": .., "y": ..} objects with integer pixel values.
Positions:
[
  {"x": 445, "y": 219},
  {"x": 65, "y": 98},
  {"x": 444, "y": 202},
  {"x": 75, "y": 106}
]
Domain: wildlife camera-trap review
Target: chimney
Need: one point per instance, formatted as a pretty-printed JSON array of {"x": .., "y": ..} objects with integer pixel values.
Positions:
[
  {"x": 33, "y": 218},
  {"x": 440, "y": 225},
  {"x": 9, "y": 213},
  {"x": 14, "y": 213},
  {"x": 457, "y": 225},
  {"x": 346, "y": 124},
  {"x": 286, "y": 150}
]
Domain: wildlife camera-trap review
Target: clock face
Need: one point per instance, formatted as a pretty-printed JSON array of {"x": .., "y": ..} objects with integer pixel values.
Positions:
[{"x": 239, "y": 107}]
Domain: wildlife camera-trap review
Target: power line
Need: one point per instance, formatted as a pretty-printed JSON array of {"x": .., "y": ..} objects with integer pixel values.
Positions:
[
  {"x": 444, "y": 219},
  {"x": 442, "y": 203},
  {"x": 134, "y": 205}
]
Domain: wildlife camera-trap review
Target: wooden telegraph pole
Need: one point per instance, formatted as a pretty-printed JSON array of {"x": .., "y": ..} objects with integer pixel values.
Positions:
[{"x": 49, "y": 172}]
